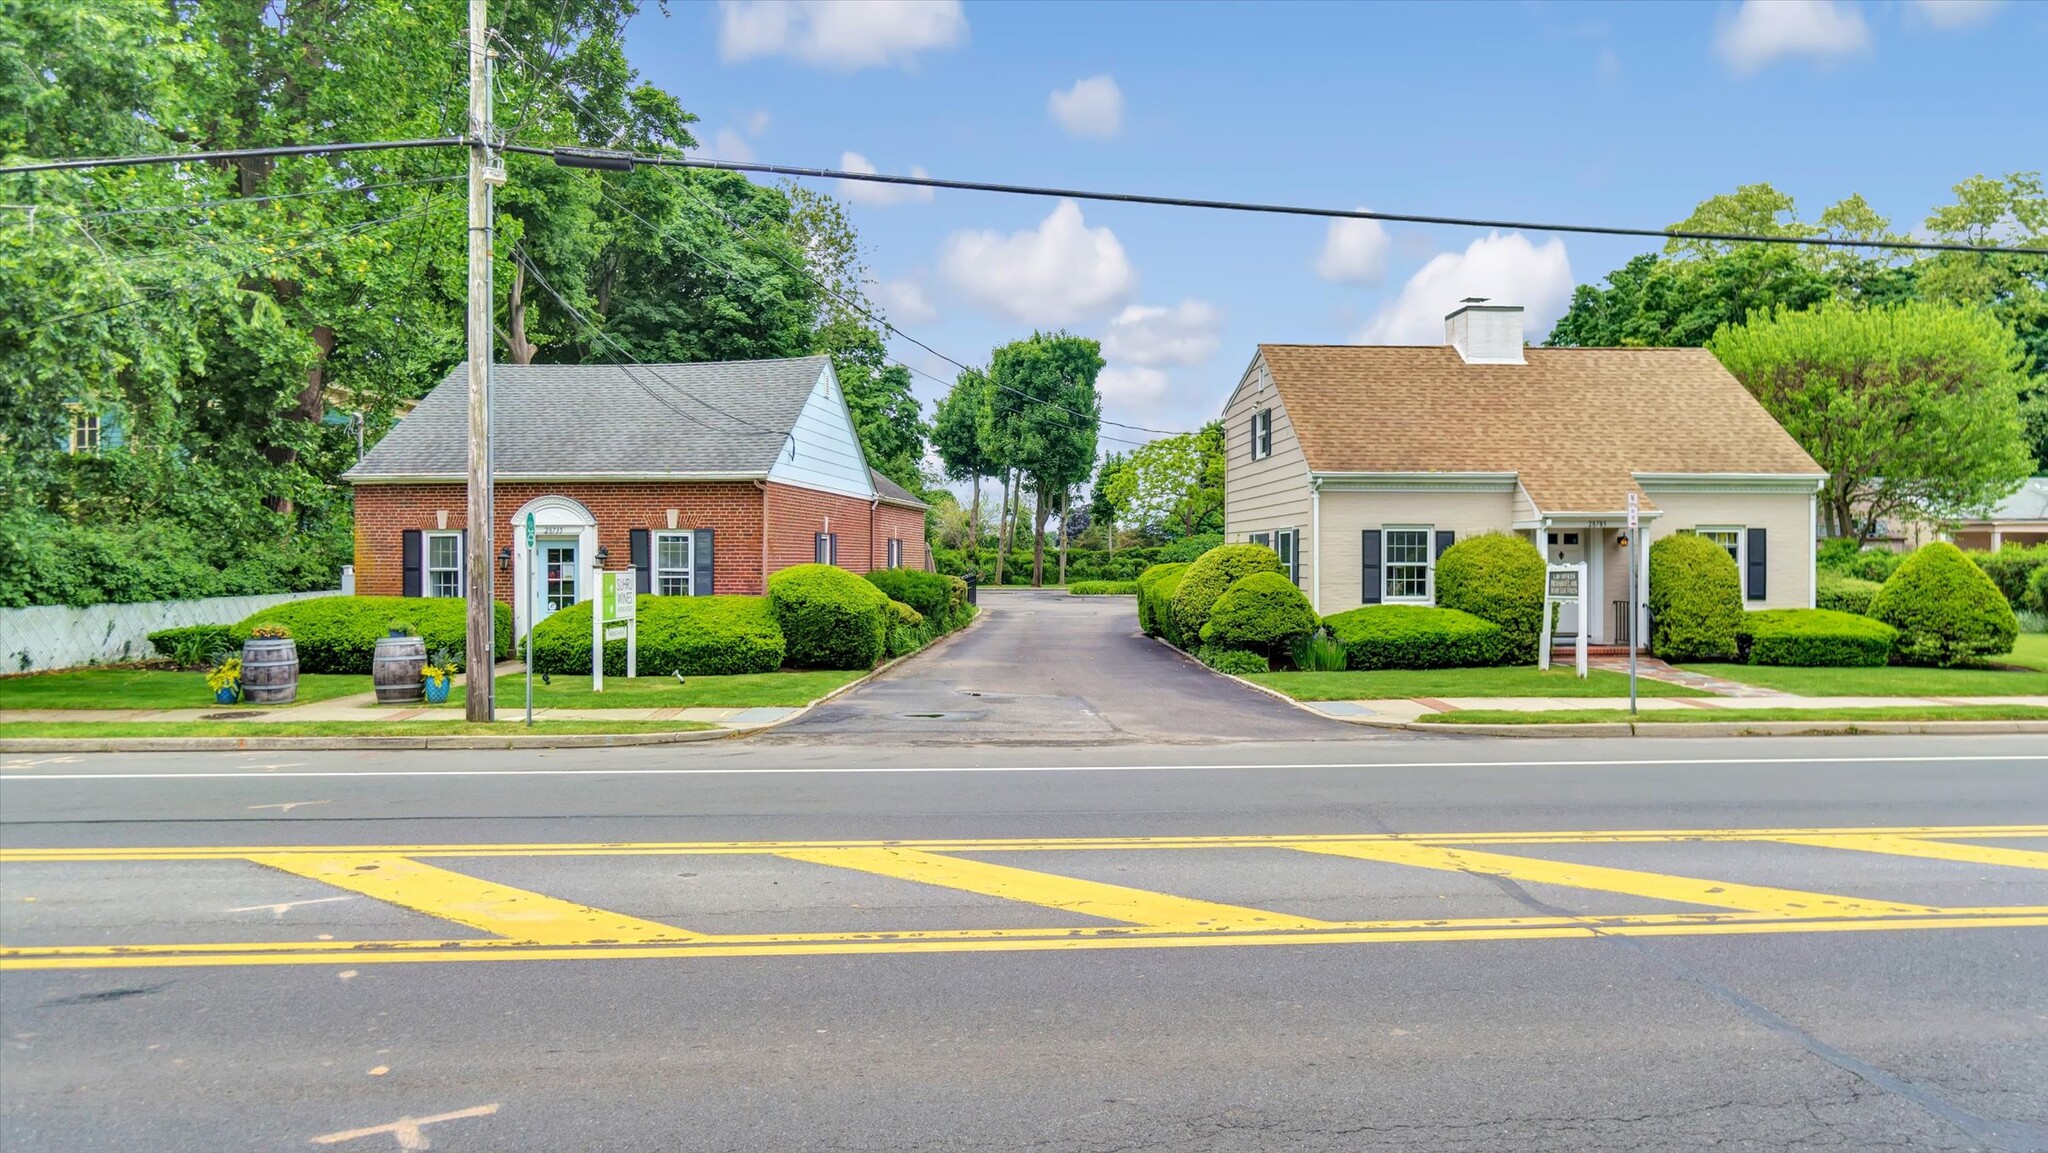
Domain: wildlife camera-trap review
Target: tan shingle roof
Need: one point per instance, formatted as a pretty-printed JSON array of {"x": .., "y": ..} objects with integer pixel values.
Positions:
[{"x": 1574, "y": 423}]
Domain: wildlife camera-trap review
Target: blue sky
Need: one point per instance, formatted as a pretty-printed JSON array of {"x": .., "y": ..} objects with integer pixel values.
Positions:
[{"x": 1607, "y": 113}]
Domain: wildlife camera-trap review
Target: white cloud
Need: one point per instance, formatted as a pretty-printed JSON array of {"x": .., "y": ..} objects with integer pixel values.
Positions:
[
  {"x": 730, "y": 145},
  {"x": 1354, "y": 252},
  {"x": 839, "y": 34},
  {"x": 1953, "y": 13},
  {"x": 1765, "y": 30},
  {"x": 904, "y": 302},
  {"x": 1057, "y": 273},
  {"x": 1132, "y": 386},
  {"x": 867, "y": 192},
  {"x": 1093, "y": 108},
  {"x": 1151, "y": 335},
  {"x": 758, "y": 121},
  {"x": 1506, "y": 269}
]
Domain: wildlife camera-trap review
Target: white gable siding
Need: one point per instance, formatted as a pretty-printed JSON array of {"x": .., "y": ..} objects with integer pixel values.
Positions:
[
  {"x": 824, "y": 452},
  {"x": 1270, "y": 493}
]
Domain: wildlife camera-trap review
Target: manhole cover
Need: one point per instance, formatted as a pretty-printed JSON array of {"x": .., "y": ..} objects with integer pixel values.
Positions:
[{"x": 230, "y": 716}]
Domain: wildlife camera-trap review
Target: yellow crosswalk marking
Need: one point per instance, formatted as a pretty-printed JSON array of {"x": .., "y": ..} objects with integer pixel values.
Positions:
[
  {"x": 1660, "y": 886},
  {"x": 1931, "y": 850},
  {"x": 501, "y": 909},
  {"x": 1072, "y": 894}
]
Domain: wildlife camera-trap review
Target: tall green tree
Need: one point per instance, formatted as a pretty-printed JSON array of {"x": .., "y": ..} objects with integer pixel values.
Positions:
[
  {"x": 962, "y": 435},
  {"x": 1047, "y": 410},
  {"x": 1910, "y": 409},
  {"x": 1173, "y": 486}
]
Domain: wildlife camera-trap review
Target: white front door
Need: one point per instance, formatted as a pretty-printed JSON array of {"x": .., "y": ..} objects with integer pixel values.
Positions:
[
  {"x": 558, "y": 575},
  {"x": 1568, "y": 546}
]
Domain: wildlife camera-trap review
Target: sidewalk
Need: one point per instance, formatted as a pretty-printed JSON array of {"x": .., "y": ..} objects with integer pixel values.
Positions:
[{"x": 1404, "y": 711}]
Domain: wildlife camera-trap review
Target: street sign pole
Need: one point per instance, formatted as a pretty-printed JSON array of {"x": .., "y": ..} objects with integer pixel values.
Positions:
[
  {"x": 1634, "y": 612},
  {"x": 532, "y": 610}
]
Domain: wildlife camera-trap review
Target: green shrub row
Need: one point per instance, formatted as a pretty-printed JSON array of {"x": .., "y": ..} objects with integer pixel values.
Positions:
[
  {"x": 1102, "y": 588},
  {"x": 2037, "y": 591},
  {"x": 1262, "y": 613},
  {"x": 1947, "y": 611},
  {"x": 1209, "y": 577},
  {"x": 340, "y": 634},
  {"x": 1844, "y": 594},
  {"x": 940, "y": 599},
  {"x": 1082, "y": 564},
  {"x": 1817, "y": 638},
  {"x": 1418, "y": 637},
  {"x": 1496, "y": 577},
  {"x": 831, "y": 619},
  {"x": 1154, "y": 602},
  {"x": 1695, "y": 600},
  {"x": 2013, "y": 570},
  {"x": 1844, "y": 557},
  {"x": 694, "y": 636}
]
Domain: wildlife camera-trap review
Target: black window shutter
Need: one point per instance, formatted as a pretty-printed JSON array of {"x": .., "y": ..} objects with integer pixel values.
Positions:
[
  {"x": 1445, "y": 538},
  {"x": 700, "y": 564},
  {"x": 637, "y": 546},
  {"x": 409, "y": 552},
  {"x": 1757, "y": 565},
  {"x": 1369, "y": 548}
]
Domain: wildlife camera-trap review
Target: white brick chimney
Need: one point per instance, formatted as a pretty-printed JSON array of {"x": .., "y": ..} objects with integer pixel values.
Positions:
[{"x": 1485, "y": 333}]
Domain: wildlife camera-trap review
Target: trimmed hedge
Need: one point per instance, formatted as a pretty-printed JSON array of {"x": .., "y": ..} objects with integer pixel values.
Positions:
[
  {"x": 1102, "y": 588},
  {"x": 694, "y": 636},
  {"x": 1817, "y": 638},
  {"x": 1871, "y": 564},
  {"x": 2012, "y": 569},
  {"x": 1418, "y": 637},
  {"x": 909, "y": 630},
  {"x": 929, "y": 593},
  {"x": 1082, "y": 564},
  {"x": 1264, "y": 613},
  {"x": 830, "y": 618},
  {"x": 1946, "y": 610},
  {"x": 1496, "y": 577},
  {"x": 1236, "y": 662},
  {"x": 340, "y": 634},
  {"x": 1210, "y": 576},
  {"x": 2037, "y": 590},
  {"x": 1151, "y": 607},
  {"x": 190, "y": 644},
  {"x": 1844, "y": 594},
  {"x": 1163, "y": 591},
  {"x": 1695, "y": 600}
]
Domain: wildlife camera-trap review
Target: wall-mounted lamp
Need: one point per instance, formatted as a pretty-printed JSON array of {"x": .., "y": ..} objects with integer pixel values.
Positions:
[
  {"x": 1621, "y": 540},
  {"x": 602, "y": 553},
  {"x": 505, "y": 559}
]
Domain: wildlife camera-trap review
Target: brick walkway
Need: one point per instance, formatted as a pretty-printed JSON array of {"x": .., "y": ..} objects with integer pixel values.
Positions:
[{"x": 1650, "y": 668}]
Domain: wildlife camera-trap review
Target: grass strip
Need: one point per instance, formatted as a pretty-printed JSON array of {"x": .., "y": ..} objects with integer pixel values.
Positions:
[
  {"x": 791, "y": 688},
  {"x": 1707, "y": 716},
  {"x": 1513, "y": 681},
  {"x": 96, "y": 729},
  {"x": 151, "y": 689}
]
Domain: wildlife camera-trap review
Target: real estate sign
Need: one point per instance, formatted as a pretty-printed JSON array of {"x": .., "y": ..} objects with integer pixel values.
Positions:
[{"x": 614, "y": 618}]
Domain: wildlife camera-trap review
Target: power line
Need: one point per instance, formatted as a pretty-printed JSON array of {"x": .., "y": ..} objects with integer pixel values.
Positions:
[
  {"x": 585, "y": 158},
  {"x": 230, "y": 154}
]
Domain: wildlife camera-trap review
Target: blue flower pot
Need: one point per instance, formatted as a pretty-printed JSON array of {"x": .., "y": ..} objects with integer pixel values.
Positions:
[
  {"x": 227, "y": 694},
  {"x": 437, "y": 689}
]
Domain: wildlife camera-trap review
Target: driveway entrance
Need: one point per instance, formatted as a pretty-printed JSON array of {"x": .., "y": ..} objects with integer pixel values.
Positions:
[{"x": 1045, "y": 668}]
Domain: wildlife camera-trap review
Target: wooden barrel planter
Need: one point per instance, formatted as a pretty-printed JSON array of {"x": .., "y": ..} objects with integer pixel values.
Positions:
[
  {"x": 396, "y": 670},
  {"x": 270, "y": 671}
]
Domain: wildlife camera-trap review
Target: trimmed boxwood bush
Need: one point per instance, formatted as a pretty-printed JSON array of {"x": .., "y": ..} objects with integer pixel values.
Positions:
[
  {"x": 2011, "y": 569},
  {"x": 1817, "y": 638},
  {"x": 1102, "y": 588},
  {"x": 909, "y": 630},
  {"x": 1496, "y": 577},
  {"x": 694, "y": 636},
  {"x": 1844, "y": 594},
  {"x": 1210, "y": 576},
  {"x": 927, "y": 592},
  {"x": 339, "y": 634},
  {"x": 1946, "y": 610},
  {"x": 1236, "y": 662},
  {"x": 2037, "y": 590},
  {"x": 1695, "y": 600},
  {"x": 1264, "y": 613},
  {"x": 1151, "y": 618},
  {"x": 1870, "y": 564},
  {"x": 1417, "y": 637},
  {"x": 1163, "y": 591},
  {"x": 190, "y": 644},
  {"x": 830, "y": 618}
]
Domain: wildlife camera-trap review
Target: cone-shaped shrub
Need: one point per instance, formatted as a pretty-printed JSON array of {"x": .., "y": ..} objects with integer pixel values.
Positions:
[
  {"x": 1210, "y": 577},
  {"x": 1946, "y": 610},
  {"x": 1695, "y": 600}
]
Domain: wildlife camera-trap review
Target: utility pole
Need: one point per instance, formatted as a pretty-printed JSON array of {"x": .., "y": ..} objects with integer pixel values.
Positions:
[{"x": 481, "y": 660}]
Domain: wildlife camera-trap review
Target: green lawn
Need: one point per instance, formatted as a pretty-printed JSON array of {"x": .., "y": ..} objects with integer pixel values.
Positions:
[
  {"x": 789, "y": 688},
  {"x": 449, "y": 728},
  {"x": 148, "y": 689},
  {"x": 1515, "y": 681},
  {"x": 1696, "y": 716},
  {"x": 2029, "y": 679}
]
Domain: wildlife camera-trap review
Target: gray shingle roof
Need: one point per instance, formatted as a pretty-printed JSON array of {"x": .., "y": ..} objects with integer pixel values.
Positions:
[
  {"x": 2029, "y": 503},
  {"x": 892, "y": 492},
  {"x": 722, "y": 418}
]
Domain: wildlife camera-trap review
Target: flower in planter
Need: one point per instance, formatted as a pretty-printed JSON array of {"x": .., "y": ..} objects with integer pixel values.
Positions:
[
  {"x": 436, "y": 676},
  {"x": 225, "y": 679},
  {"x": 270, "y": 633}
]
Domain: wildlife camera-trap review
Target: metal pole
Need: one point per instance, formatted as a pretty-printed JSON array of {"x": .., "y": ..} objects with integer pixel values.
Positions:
[
  {"x": 532, "y": 611},
  {"x": 478, "y": 705},
  {"x": 1634, "y": 622}
]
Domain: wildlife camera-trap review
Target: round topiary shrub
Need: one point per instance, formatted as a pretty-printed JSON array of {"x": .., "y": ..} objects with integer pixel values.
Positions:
[
  {"x": 1417, "y": 637},
  {"x": 1496, "y": 577},
  {"x": 1149, "y": 616},
  {"x": 1946, "y": 610},
  {"x": 1210, "y": 576},
  {"x": 1695, "y": 600},
  {"x": 1817, "y": 638},
  {"x": 694, "y": 636},
  {"x": 1163, "y": 591},
  {"x": 1844, "y": 594},
  {"x": 1263, "y": 613},
  {"x": 830, "y": 618},
  {"x": 2037, "y": 590}
]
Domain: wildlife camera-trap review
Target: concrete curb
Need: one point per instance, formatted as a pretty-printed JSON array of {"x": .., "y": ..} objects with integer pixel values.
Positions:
[{"x": 508, "y": 741}]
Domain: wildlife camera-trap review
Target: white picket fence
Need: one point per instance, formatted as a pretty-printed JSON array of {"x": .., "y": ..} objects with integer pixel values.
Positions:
[{"x": 60, "y": 637}]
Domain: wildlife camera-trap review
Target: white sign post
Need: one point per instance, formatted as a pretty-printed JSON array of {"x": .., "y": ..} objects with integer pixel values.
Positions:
[
  {"x": 1563, "y": 584},
  {"x": 532, "y": 609},
  {"x": 614, "y": 617},
  {"x": 1634, "y": 613}
]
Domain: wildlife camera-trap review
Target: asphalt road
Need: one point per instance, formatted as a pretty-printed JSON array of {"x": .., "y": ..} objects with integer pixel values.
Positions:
[{"x": 1650, "y": 1024}]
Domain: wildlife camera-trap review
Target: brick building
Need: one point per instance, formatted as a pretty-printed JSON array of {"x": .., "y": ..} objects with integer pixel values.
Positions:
[{"x": 703, "y": 478}]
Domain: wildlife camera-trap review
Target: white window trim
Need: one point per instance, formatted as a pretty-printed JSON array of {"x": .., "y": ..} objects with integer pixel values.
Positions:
[
  {"x": 1262, "y": 420},
  {"x": 427, "y": 568},
  {"x": 688, "y": 571},
  {"x": 1387, "y": 564},
  {"x": 1741, "y": 551},
  {"x": 82, "y": 415}
]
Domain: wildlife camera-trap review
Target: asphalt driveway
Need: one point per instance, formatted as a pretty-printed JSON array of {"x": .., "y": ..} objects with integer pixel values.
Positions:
[{"x": 1045, "y": 668}]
